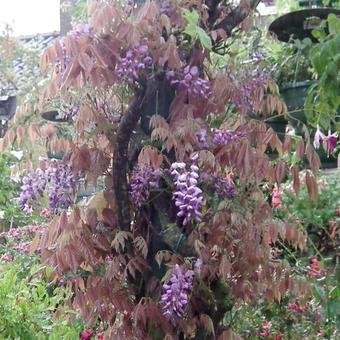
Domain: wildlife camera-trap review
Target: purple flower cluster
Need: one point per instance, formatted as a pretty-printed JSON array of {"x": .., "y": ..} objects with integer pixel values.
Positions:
[
  {"x": 60, "y": 182},
  {"x": 33, "y": 187},
  {"x": 166, "y": 8},
  {"x": 224, "y": 137},
  {"x": 202, "y": 139},
  {"x": 244, "y": 96},
  {"x": 134, "y": 64},
  {"x": 72, "y": 111},
  {"x": 62, "y": 185},
  {"x": 190, "y": 80},
  {"x": 142, "y": 180},
  {"x": 223, "y": 187},
  {"x": 81, "y": 30},
  {"x": 176, "y": 292},
  {"x": 188, "y": 196}
]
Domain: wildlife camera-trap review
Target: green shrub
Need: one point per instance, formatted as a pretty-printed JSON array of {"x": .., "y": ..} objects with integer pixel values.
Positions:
[{"x": 28, "y": 306}]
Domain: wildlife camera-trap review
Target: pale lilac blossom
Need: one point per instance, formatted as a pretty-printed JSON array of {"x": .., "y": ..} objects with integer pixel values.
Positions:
[
  {"x": 188, "y": 196},
  {"x": 176, "y": 292}
]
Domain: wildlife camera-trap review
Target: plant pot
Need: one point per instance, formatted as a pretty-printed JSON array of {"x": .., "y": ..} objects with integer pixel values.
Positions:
[
  {"x": 294, "y": 96},
  {"x": 55, "y": 117},
  {"x": 90, "y": 189},
  {"x": 58, "y": 155},
  {"x": 8, "y": 107},
  {"x": 300, "y": 24},
  {"x": 279, "y": 125}
]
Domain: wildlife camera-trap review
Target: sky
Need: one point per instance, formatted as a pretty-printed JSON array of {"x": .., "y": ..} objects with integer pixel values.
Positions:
[{"x": 28, "y": 17}]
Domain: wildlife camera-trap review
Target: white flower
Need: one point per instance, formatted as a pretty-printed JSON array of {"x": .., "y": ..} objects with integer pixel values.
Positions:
[{"x": 318, "y": 138}]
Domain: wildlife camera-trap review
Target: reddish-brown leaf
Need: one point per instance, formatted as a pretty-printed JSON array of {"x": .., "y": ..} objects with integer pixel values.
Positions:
[
  {"x": 296, "y": 178},
  {"x": 312, "y": 186},
  {"x": 300, "y": 149}
]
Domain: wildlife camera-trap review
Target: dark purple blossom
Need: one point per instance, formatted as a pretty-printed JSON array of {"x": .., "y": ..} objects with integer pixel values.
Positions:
[
  {"x": 223, "y": 187},
  {"x": 176, "y": 292},
  {"x": 246, "y": 88},
  {"x": 62, "y": 185},
  {"x": 134, "y": 64},
  {"x": 58, "y": 180},
  {"x": 142, "y": 180},
  {"x": 190, "y": 80},
  {"x": 224, "y": 137},
  {"x": 188, "y": 196}
]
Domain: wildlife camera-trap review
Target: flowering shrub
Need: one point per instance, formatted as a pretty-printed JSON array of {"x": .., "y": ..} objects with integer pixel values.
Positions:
[
  {"x": 16, "y": 242},
  {"x": 130, "y": 253}
]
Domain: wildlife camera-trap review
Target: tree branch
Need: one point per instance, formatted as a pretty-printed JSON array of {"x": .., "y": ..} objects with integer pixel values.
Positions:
[
  {"x": 235, "y": 17},
  {"x": 120, "y": 157}
]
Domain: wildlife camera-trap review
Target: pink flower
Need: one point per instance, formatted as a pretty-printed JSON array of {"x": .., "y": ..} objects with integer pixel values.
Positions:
[
  {"x": 276, "y": 198},
  {"x": 331, "y": 141},
  {"x": 295, "y": 307},
  {"x": 266, "y": 325},
  {"x": 318, "y": 138},
  {"x": 6, "y": 258},
  {"x": 46, "y": 213},
  {"x": 86, "y": 335},
  {"x": 315, "y": 270}
]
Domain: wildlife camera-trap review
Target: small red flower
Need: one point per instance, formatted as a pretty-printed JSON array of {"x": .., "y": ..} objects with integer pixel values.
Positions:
[
  {"x": 265, "y": 333},
  {"x": 278, "y": 336},
  {"x": 100, "y": 335}
]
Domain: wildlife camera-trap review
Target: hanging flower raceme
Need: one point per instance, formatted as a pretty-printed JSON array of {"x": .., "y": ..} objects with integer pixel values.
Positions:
[
  {"x": 330, "y": 140},
  {"x": 143, "y": 179},
  {"x": 58, "y": 180},
  {"x": 176, "y": 292},
  {"x": 61, "y": 186},
  {"x": 135, "y": 62},
  {"x": 224, "y": 137},
  {"x": 190, "y": 81},
  {"x": 33, "y": 187},
  {"x": 188, "y": 196}
]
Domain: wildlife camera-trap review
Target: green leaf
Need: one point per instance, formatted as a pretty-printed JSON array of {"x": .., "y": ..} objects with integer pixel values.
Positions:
[
  {"x": 191, "y": 31},
  {"x": 319, "y": 293},
  {"x": 204, "y": 38},
  {"x": 191, "y": 17}
]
